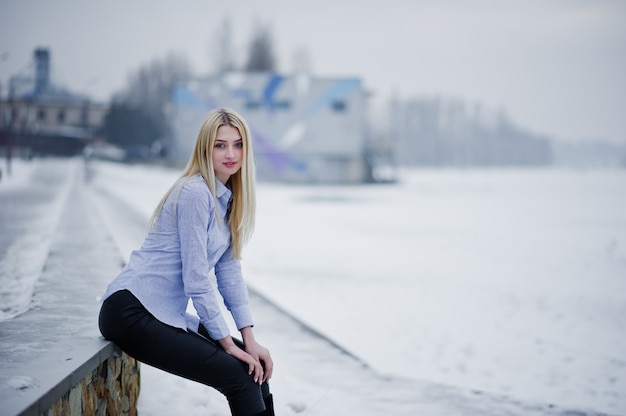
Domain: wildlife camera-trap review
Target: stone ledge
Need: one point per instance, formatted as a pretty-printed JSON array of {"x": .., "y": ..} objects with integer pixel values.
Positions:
[
  {"x": 50, "y": 349},
  {"x": 92, "y": 384}
]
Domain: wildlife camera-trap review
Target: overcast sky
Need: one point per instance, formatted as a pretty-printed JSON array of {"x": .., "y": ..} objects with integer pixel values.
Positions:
[{"x": 556, "y": 67}]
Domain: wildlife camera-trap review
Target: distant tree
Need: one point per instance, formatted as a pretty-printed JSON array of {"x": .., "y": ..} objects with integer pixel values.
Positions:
[
  {"x": 150, "y": 88},
  {"x": 128, "y": 126},
  {"x": 437, "y": 131},
  {"x": 261, "y": 51},
  {"x": 301, "y": 61},
  {"x": 138, "y": 115},
  {"x": 222, "y": 54}
]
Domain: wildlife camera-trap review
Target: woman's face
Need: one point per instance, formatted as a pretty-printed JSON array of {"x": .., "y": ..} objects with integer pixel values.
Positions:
[{"x": 227, "y": 152}]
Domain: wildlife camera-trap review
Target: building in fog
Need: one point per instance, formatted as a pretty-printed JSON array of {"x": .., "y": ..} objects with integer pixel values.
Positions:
[
  {"x": 304, "y": 129},
  {"x": 39, "y": 117}
]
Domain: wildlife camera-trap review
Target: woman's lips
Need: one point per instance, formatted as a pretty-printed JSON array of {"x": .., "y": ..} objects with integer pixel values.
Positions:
[{"x": 230, "y": 164}]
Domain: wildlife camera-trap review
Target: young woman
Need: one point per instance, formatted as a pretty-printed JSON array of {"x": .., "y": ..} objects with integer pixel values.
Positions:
[{"x": 202, "y": 223}]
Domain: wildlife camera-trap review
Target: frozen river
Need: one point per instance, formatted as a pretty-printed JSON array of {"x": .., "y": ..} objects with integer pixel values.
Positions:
[
  {"x": 507, "y": 281},
  {"x": 511, "y": 282}
]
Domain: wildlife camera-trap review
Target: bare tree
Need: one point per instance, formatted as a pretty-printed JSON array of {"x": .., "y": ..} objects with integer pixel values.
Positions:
[
  {"x": 261, "y": 53},
  {"x": 150, "y": 88},
  {"x": 138, "y": 114},
  {"x": 223, "y": 56},
  {"x": 301, "y": 61}
]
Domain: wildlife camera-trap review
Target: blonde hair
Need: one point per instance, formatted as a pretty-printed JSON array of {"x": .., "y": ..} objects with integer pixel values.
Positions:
[{"x": 242, "y": 184}]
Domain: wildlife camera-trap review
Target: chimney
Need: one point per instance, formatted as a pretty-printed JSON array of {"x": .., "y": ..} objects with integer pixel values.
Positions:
[{"x": 42, "y": 70}]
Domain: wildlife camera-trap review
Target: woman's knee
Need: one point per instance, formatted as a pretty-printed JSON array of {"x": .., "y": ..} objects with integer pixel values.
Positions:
[{"x": 245, "y": 398}]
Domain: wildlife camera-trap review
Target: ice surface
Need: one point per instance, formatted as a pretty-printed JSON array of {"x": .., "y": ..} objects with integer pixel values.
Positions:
[
  {"x": 506, "y": 281},
  {"x": 465, "y": 292}
]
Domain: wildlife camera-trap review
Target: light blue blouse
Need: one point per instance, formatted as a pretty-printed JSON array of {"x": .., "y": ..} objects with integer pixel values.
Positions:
[{"x": 174, "y": 262}]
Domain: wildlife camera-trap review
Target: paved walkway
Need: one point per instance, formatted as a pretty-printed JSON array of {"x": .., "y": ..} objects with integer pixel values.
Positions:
[
  {"x": 31, "y": 200},
  {"x": 58, "y": 333}
]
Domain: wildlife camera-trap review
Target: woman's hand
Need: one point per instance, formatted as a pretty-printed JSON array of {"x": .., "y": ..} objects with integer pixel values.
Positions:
[
  {"x": 254, "y": 365},
  {"x": 258, "y": 352}
]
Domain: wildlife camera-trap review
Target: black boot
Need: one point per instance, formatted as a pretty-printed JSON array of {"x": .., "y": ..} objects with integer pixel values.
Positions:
[{"x": 269, "y": 406}]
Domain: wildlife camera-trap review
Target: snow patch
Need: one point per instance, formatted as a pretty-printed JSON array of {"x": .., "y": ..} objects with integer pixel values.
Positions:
[{"x": 22, "y": 383}]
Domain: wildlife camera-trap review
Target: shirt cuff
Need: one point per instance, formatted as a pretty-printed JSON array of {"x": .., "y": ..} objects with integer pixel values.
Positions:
[
  {"x": 242, "y": 316},
  {"x": 216, "y": 327}
]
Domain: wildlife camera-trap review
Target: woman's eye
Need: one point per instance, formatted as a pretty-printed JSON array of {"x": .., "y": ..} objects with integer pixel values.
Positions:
[
  {"x": 220, "y": 145},
  {"x": 240, "y": 144}
]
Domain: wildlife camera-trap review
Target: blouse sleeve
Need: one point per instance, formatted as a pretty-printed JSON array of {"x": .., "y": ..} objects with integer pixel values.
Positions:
[
  {"x": 233, "y": 289},
  {"x": 194, "y": 211}
]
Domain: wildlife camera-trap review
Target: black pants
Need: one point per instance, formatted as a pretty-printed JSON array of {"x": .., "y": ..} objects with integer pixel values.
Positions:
[{"x": 125, "y": 321}]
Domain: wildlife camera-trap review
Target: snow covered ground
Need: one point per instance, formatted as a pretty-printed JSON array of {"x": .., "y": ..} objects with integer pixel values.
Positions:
[
  {"x": 510, "y": 282},
  {"x": 506, "y": 281},
  {"x": 21, "y": 262}
]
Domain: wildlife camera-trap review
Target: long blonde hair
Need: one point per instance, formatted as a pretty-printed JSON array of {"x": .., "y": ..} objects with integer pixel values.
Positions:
[{"x": 242, "y": 184}]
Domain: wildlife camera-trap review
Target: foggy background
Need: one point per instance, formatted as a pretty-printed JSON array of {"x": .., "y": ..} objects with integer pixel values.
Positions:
[
  {"x": 486, "y": 275},
  {"x": 556, "y": 68}
]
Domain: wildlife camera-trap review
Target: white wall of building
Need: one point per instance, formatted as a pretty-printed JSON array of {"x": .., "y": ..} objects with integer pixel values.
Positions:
[{"x": 304, "y": 129}]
